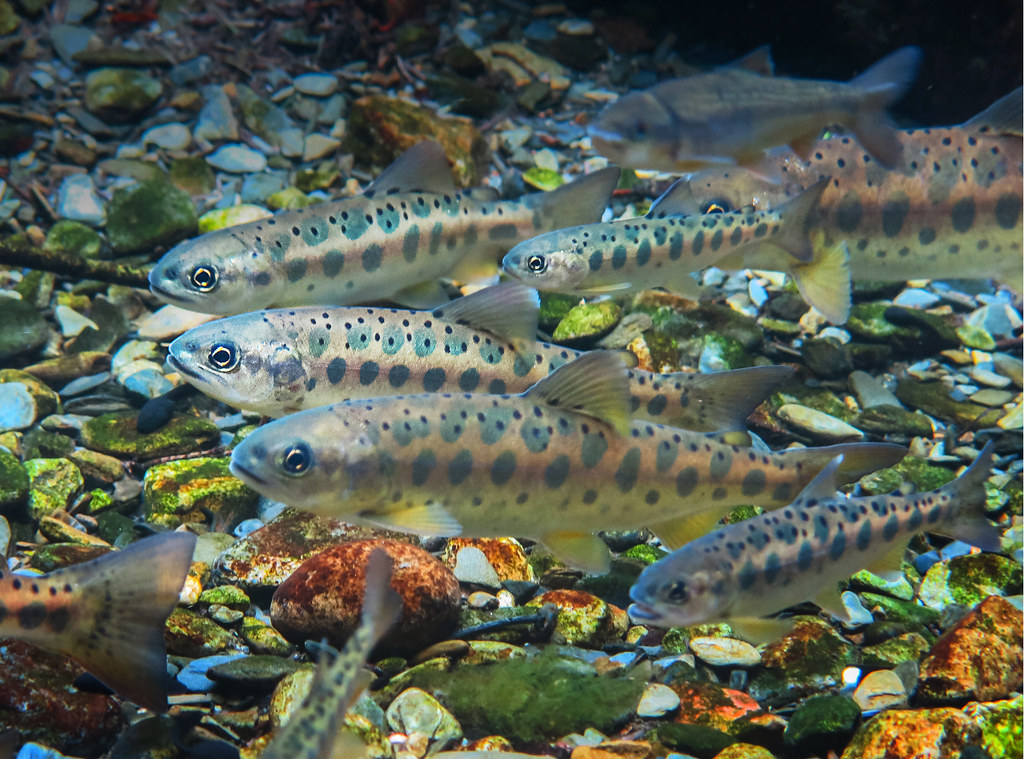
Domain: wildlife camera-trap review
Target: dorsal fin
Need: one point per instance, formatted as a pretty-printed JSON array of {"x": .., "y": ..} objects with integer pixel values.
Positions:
[
  {"x": 1002, "y": 117},
  {"x": 757, "y": 61},
  {"x": 595, "y": 384},
  {"x": 677, "y": 200},
  {"x": 508, "y": 310},
  {"x": 823, "y": 486},
  {"x": 421, "y": 168}
]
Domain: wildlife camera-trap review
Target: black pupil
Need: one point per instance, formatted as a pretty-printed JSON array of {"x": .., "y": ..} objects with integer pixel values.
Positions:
[
  {"x": 222, "y": 356},
  {"x": 296, "y": 460},
  {"x": 716, "y": 206},
  {"x": 535, "y": 263},
  {"x": 202, "y": 277},
  {"x": 678, "y": 592}
]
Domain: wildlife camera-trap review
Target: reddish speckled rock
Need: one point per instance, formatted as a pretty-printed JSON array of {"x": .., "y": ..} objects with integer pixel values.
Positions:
[
  {"x": 506, "y": 555},
  {"x": 728, "y": 711},
  {"x": 900, "y": 734},
  {"x": 38, "y": 700},
  {"x": 584, "y": 619},
  {"x": 978, "y": 659},
  {"x": 323, "y": 598}
]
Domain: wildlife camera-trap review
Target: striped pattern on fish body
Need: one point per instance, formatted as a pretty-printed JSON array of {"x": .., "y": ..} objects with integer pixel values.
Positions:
[
  {"x": 281, "y": 361},
  {"x": 528, "y": 465},
  {"x": 108, "y": 614},
  {"x": 392, "y": 242},
  {"x": 661, "y": 249},
  {"x": 312, "y": 732},
  {"x": 778, "y": 559},
  {"x": 950, "y": 208}
]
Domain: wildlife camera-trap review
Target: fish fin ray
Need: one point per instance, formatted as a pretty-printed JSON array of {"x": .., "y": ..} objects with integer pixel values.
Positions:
[
  {"x": 762, "y": 166},
  {"x": 757, "y": 61},
  {"x": 595, "y": 384},
  {"x": 676, "y": 533},
  {"x": 678, "y": 200},
  {"x": 759, "y": 630},
  {"x": 970, "y": 523},
  {"x": 881, "y": 85},
  {"x": 724, "y": 400},
  {"x": 1002, "y": 117},
  {"x": 582, "y": 550},
  {"x": 828, "y": 599},
  {"x": 824, "y": 281},
  {"x": 423, "y": 295},
  {"x": 798, "y": 216},
  {"x": 138, "y": 587},
  {"x": 420, "y": 519},
  {"x": 421, "y": 168},
  {"x": 823, "y": 486},
  {"x": 858, "y": 459},
  {"x": 508, "y": 310},
  {"x": 890, "y": 566},
  {"x": 381, "y": 603},
  {"x": 579, "y": 202}
]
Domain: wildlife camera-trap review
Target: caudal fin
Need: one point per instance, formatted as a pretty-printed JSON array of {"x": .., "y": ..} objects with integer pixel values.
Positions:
[
  {"x": 579, "y": 202},
  {"x": 968, "y": 490},
  {"x": 824, "y": 281},
  {"x": 858, "y": 459},
  {"x": 720, "y": 401},
  {"x": 881, "y": 86},
  {"x": 124, "y": 599}
]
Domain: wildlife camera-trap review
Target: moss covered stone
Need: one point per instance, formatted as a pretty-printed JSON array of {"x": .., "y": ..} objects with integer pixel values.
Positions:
[
  {"x": 120, "y": 94},
  {"x": 53, "y": 483},
  {"x": 219, "y": 218},
  {"x": 933, "y": 398},
  {"x": 922, "y": 474},
  {"x": 191, "y": 634},
  {"x": 147, "y": 215},
  {"x": 51, "y": 556},
  {"x": 645, "y": 553},
  {"x": 893, "y": 420},
  {"x": 583, "y": 618},
  {"x": 1002, "y": 726},
  {"x": 73, "y": 238},
  {"x": 894, "y": 651},
  {"x": 14, "y": 482},
  {"x": 116, "y": 435},
  {"x": 966, "y": 580},
  {"x": 320, "y": 178},
  {"x": 700, "y": 741},
  {"x": 902, "y": 734},
  {"x": 809, "y": 659},
  {"x": 822, "y": 723},
  {"x": 543, "y": 179},
  {"x": 288, "y": 198},
  {"x": 554, "y": 307},
  {"x": 226, "y": 595},
  {"x": 191, "y": 489},
  {"x": 193, "y": 175},
  {"x": 587, "y": 321},
  {"x": 913, "y": 616},
  {"x": 24, "y": 329},
  {"x": 264, "y": 639}
]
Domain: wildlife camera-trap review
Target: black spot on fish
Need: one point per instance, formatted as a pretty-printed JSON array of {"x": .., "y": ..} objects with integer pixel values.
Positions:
[
  {"x": 926, "y": 236},
  {"x": 963, "y": 214},
  {"x": 761, "y": 230},
  {"x": 503, "y": 232},
  {"x": 368, "y": 372},
  {"x": 496, "y": 387},
  {"x": 262, "y": 279},
  {"x": 891, "y": 527},
  {"x": 643, "y": 253},
  {"x": 433, "y": 379},
  {"x": 656, "y": 405},
  {"x": 58, "y": 619},
  {"x": 32, "y": 615},
  {"x": 334, "y": 262},
  {"x": 772, "y": 566},
  {"x": 894, "y": 213},
  {"x": 1008, "y": 210},
  {"x": 557, "y": 471},
  {"x": 372, "y": 256},
  {"x": 503, "y": 468},
  {"x": 864, "y": 536},
  {"x": 469, "y": 380},
  {"x": 747, "y": 575},
  {"x": 698, "y": 243},
  {"x": 805, "y": 556},
  {"x": 422, "y": 466},
  {"x": 595, "y": 260},
  {"x": 652, "y": 497},
  {"x": 619, "y": 257},
  {"x": 397, "y": 375},
  {"x": 336, "y": 370},
  {"x": 460, "y": 467},
  {"x": 849, "y": 212},
  {"x": 629, "y": 469},
  {"x": 838, "y": 547},
  {"x": 686, "y": 481}
]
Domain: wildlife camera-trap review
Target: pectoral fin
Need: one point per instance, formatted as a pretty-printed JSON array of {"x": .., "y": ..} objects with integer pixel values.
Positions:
[
  {"x": 758, "y": 630},
  {"x": 420, "y": 519},
  {"x": 676, "y": 533},
  {"x": 824, "y": 281},
  {"x": 582, "y": 550}
]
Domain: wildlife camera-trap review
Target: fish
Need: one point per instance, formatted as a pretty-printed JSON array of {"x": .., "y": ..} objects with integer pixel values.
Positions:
[
  {"x": 744, "y": 571},
  {"x": 950, "y": 208},
  {"x": 392, "y": 242},
  {"x": 312, "y": 732},
  {"x": 731, "y": 115},
  {"x": 670, "y": 244},
  {"x": 280, "y": 361},
  {"x": 555, "y": 464},
  {"x": 107, "y": 614}
]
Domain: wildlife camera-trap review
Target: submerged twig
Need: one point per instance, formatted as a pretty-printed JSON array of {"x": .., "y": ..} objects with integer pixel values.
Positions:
[{"x": 14, "y": 253}]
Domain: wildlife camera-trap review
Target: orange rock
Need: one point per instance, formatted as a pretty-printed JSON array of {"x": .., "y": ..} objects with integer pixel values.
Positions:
[
  {"x": 903, "y": 734},
  {"x": 506, "y": 555},
  {"x": 615, "y": 750}
]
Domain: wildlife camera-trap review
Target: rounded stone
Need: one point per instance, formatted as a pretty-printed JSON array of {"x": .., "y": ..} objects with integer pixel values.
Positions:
[
  {"x": 120, "y": 94},
  {"x": 318, "y": 85},
  {"x": 237, "y": 159},
  {"x": 822, "y": 723},
  {"x": 17, "y": 407},
  {"x": 171, "y": 136},
  {"x": 881, "y": 689},
  {"x": 817, "y": 424},
  {"x": 73, "y": 238},
  {"x": 657, "y": 701},
  {"x": 14, "y": 481},
  {"x": 416, "y": 713},
  {"x": 323, "y": 598},
  {"x": 149, "y": 214},
  {"x": 725, "y": 652},
  {"x": 901, "y": 734},
  {"x": 24, "y": 329},
  {"x": 584, "y": 619}
]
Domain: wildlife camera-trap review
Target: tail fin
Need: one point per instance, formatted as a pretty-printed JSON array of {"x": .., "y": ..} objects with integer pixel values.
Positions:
[
  {"x": 858, "y": 460},
  {"x": 720, "y": 401},
  {"x": 824, "y": 281},
  {"x": 381, "y": 604},
  {"x": 968, "y": 490},
  {"x": 881, "y": 86},
  {"x": 579, "y": 202},
  {"x": 798, "y": 216},
  {"x": 126, "y": 597}
]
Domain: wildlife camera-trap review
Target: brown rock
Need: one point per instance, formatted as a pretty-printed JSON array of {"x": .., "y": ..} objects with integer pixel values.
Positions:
[
  {"x": 506, "y": 555},
  {"x": 61, "y": 370},
  {"x": 901, "y": 734},
  {"x": 324, "y": 597},
  {"x": 615, "y": 750},
  {"x": 729, "y": 711},
  {"x": 978, "y": 659}
]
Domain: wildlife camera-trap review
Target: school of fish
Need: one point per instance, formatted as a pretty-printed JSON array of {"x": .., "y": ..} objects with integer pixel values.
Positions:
[{"x": 455, "y": 419}]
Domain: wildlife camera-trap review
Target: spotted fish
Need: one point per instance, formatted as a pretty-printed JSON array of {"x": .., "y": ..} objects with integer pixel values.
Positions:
[
  {"x": 950, "y": 208},
  {"x": 744, "y": 571},
  {"x": 313, "y": 731},
  {"x": 730, "y": 116},
  {"x": 107, "y": 614},
  {"x": 392, "y": 242},
  {"x": 554, "y": 464},
  {"x": 665, "y": 247},
  {"x": 280, "y": 361}
]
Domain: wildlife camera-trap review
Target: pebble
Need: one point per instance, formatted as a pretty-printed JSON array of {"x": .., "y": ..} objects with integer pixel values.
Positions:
[
  {"x": 417, "y": 712},
  {"x": 856, "y": 614},
  {"x": 657, "y": 701},
  {"x": 818, "y": 424},
  {"x": 725, "y": 652},
  {"x": 69, "y": 39},
  {"x": 292, "y": 142},
  {"x": 318, "y": 85},
  {"x": 237, "y": 158},
  {"x": 71, "y": 322},
  {"x": 77, "y": 200},
  {"x": 879, "y": 690},
  {"x": 870, "y": 391},
  {"x": 988, "y": 377},
  {"x": 916, "y": 298},
  {"x": 193, "y": 675},
  {"x": 317, "y": 146},
  {"x": 170, "y": 321},
  {"x": 148, "y": 382},
  {"x": 133, "y": 350},
  {"x": 472, "y": 567},
  {"x": 481, "y": 600},
  {"x": 173, "y": 136},
  {"x": 17, "y": 407},
  {"x": 216, "y": 120}
]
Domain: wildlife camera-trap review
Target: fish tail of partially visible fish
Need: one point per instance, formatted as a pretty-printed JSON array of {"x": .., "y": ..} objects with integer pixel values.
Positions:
[
  {"x": 723, "y": 400},
  {"x": 124, "y": 599},
  {"x": 880, "y": 86},
  {"x": 580, "y": 202},
  {"x": 968, "y": 491},
  {"x": 859, "y": 459}
]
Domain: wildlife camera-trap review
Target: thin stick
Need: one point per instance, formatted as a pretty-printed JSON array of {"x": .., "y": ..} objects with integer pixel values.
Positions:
[{"x": 22, "y": 254}]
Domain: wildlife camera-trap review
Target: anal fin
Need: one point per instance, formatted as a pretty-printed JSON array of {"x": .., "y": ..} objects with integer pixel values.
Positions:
[
  {"x": 758, "y": 630},
  {"x": 424, "y": 295},
  {"x": 420, "y": 519},
  {"x": 888, "y": 567},
  {"x": 675, "y": 533},
  {"x": 582, "y": 550},
  {"x": 824, "y": 281}
]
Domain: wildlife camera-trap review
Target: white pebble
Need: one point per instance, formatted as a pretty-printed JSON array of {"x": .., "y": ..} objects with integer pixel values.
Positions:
[
  {"x": 77, "y": 200},
  {"x": 657, "y": 701},
  {"x": 818, "y": 423},
  {"x": 173, "y": 136},
  {"x": 170, "y": 321},
  {"x": 237, "y": 158},
  {"x": 318, "y": 85},
  {"x": 318, "y": 146},
  {"x": 725, "y": 652},
  {"x": 71, "y": 322},
  {"x": 880, "y": 689},
  {"x": 17, "y": 406}
]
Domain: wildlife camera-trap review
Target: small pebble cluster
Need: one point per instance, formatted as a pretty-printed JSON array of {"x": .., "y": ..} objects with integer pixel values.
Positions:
[{"x": 133, "y": 139}]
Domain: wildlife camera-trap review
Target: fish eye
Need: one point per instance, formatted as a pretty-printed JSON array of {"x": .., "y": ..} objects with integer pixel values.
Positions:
[
  {"x": 536, "y": 264},
  {"x": 223, "y": 357},
  {"x": 203, "y": 277},
  {"x": 677, "y": 592},
  {"x": 297, "y": 459},
  {"x": 640, "y": 129},
  {"x": 717, "y": 205}
]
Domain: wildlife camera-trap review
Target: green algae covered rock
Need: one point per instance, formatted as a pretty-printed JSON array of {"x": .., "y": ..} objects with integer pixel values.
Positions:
[
  {"x": 219, "y": 218},
  {"x": 806, "y": 661},
  {"x": 14, "y": 481},
  {"x": 192, "y": 174},
  {"x": 554, "y": 307},
  {"x": 226, "y": 595},
  {"x": 822, "y": 723},
  {"x": 288, "y": 198},
  {"x": 53, "y": 483},
  {"x": 543, "y": 179},
  {"x": 695, "y": 740},
  {"x": 922, "y": 474},
  {"x": 116, "y": 435},
  {"x": 933, "y": 398},
  {"x": 1002, "y": 726},
  {"x": 583, "y": 619},
  {"x": 147, "y": 215},
  {"x": 966, "y": 580},
  {"x": 264, "y": 639},
  {"x": 24, "y": 329},
  {"x": 73, "y": 238},
  {"x": 913, "y": 616},
  {"x": 894, "y": 651},
  {"x": 902, "y": 734},
  {"x": 587, "y": 322},
  {"x": 120, "y": 94},
  {"x": 189, "y": 490},
  {"x": 888, "y": 419},
  {"x": 191, "y": 634}
]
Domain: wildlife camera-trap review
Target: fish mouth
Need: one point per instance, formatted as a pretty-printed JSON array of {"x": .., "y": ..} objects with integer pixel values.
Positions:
[
  {"x": 236, "y": 468},
  {"x": 166, "y": 294},
  {"x": 641, "y": 613},
  {"x": 182, "y": 368}
]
